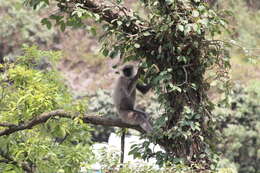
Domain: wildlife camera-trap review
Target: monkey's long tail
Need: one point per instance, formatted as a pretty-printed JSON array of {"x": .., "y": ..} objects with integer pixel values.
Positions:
[{"x": 122, "y": 147}]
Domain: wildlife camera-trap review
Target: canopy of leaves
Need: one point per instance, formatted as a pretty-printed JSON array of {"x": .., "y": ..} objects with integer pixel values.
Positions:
[
  {"x": 60, "y": 145},
  {"x": 174, "y": 44}
]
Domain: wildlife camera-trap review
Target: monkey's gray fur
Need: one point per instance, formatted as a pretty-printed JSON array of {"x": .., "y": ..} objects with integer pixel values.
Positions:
[{"x": 124, "y": 98}]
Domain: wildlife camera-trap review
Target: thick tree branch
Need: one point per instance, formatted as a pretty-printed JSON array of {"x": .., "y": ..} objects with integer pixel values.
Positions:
[
  {"x": 7, "y": 125},
  {"x": 96, "y": 120},
  {"x": 35, "y": 121}
]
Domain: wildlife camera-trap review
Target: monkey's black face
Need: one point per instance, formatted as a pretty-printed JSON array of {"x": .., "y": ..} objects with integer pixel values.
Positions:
[{"x": 128, "y": 71}]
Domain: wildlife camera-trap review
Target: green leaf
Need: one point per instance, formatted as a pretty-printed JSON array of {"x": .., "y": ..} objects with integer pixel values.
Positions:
[
  {"x": 147, "y": 33},
  {"x": 204, "y": 22},
  {"x": 96, "y": 16},
  {"x": 196, "y": 28},
  {"x": 62, "y": 26},
  {"x": 195, "y": 13},
  {"x": 174, "y": 88},
  {"x": 105, "y": 52},
  {"x": 182, "y": 59},
  {"x": 180, "y": 27},
  {"x": 187, "y": 29},
  {"x": 57, "y": 18},
  {"x": 46, "y": 22},
  {"x": 113, "y": 53},
  {"x": 93, "y": 31},
  {"x": 136, "y": 45},
  {"x": 119, "y": 23}
]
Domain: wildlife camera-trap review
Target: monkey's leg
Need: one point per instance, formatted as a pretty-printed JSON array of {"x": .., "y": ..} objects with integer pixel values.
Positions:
[
  {"x": 142, "y": 112},
  {"x": 136, "y": 117},
  {"x": 146, "y": 125}
]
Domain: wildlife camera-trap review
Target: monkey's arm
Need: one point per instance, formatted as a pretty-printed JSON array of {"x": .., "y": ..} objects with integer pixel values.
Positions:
[
  {"x": 133, "y": 82},
  {"x": 140, "y": 87},
  {"x": 132, "y": 86},
  {"x": 128, "y": 85},
  {"x": 143, "y": 88}
]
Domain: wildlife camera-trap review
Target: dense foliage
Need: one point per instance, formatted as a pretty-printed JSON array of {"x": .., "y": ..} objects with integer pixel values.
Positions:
[
  {"x": 174, "y": 43},
  {"x": 59, "y": 145},
  {"x": 238, "y": 124},
  {"x": 174, "y": 40}
]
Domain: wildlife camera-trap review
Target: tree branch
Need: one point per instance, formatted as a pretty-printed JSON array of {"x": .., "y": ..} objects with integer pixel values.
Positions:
[
  {"x": 4, "y": 161},
  {"x": 96, "y": 120},
  {"x": 110, "y": 13},
  {"x": 7, "y": 125},
  {"x": 8, "y": 160}
]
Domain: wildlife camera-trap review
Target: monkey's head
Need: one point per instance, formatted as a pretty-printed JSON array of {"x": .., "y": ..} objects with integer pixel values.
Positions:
[{"x": 128, "y": 70}]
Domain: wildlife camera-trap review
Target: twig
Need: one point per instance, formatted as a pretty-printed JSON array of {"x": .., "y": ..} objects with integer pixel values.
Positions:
[{"x": 186, "y": 76}]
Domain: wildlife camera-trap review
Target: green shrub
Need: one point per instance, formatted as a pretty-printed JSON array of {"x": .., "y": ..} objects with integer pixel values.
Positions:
[
  {"x": 59, "y": 145},
  {"x": 240, "y": 125}
]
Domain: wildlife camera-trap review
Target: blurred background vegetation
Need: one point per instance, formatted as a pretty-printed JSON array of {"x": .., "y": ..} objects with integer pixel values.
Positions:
[{"x": 87, "y": 74}]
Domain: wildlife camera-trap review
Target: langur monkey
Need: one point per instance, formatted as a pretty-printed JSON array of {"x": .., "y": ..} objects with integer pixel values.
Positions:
[{"x": 124, "y": 98}]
